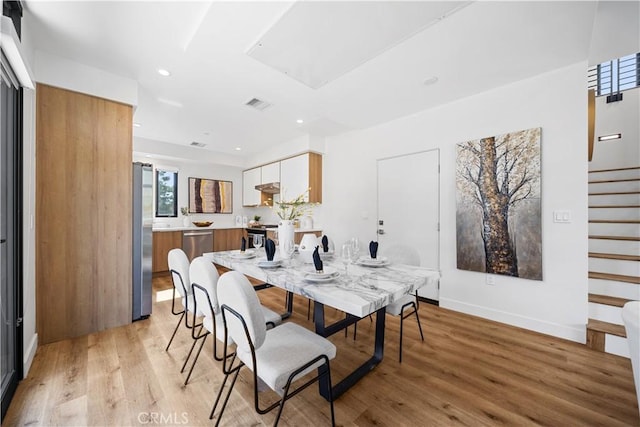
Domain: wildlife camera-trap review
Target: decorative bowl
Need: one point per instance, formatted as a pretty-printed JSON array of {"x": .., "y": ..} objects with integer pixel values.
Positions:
[{"x": 202, "y": 223}]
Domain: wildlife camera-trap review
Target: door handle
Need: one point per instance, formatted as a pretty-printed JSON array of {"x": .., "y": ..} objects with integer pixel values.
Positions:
[{"x": 3, "y": 241}]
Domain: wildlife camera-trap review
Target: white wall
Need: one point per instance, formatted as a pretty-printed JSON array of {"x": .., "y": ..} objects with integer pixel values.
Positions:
[
  {"x": 617, "y": 117},
  {"x": 555, "y": 101},
  {"x": 188, "y": 169}
]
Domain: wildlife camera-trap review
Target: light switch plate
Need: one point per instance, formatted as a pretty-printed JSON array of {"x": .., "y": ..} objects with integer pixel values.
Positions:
[
  {"x": 491, "y": 279},
  {"x": 562, "y": 217}
]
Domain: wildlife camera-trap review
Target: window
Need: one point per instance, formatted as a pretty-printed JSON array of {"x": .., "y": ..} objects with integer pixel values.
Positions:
[
  {"x": 616, "y": 75},
  {"x": 166, "y": 193}
]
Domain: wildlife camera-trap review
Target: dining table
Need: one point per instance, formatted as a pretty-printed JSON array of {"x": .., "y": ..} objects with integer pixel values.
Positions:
[{"x": 360, "y": 288}]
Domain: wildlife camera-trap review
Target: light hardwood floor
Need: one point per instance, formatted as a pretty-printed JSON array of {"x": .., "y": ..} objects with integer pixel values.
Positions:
[{"x": 468, "y": 371}]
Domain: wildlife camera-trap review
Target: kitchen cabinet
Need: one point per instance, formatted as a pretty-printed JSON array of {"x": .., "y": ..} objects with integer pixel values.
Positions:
[
  {"x": 163, "y": 242},
  {"x": 270, "y": 173},
  {"x": 226, "y": 239},
  {"x": 299, "y": 174},
  {"x": 251, "y": 178}
]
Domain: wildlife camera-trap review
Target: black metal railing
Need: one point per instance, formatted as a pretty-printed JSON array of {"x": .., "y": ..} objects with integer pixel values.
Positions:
[{"x": 614, "y": 76}]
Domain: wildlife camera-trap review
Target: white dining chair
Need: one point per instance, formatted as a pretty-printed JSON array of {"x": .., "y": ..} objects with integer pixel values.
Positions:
[
  {"x": 631, "y": 319},
  {"x": 204, "y": 281},
  {"x": 277, "y": 357},
  {"x": 179, "y": 269},
  {"x": 408, "y": 304}
]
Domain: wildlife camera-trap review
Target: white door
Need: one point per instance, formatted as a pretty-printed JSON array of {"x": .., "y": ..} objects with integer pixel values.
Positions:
[{"x": 409, "y": 207}]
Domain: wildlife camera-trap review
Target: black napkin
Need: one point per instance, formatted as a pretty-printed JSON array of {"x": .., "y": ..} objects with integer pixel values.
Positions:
[
  {"x": 270, "y": 249},
  {"x": 316, "y": 260},
  {"x": 373, "y": 249},
  {"x": 243, "y": 245},
  {"x": 325, "y": 243}
]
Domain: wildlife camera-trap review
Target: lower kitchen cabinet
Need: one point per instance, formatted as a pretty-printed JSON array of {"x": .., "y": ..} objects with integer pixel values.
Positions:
[
  {"x": 163, "y": 242},
  {"x": 226, "y": 239}
]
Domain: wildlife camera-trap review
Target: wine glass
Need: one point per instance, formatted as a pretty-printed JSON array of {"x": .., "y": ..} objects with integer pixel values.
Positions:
[
  {"x": 355, "y": 249},
  {"x": 257, "y": 241},
  {"x": 345, "y": 256},
  {"x": 288, "y": 247}
]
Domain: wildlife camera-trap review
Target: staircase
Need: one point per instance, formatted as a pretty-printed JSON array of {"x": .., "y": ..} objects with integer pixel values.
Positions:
[{"x": 614, "y": 255}]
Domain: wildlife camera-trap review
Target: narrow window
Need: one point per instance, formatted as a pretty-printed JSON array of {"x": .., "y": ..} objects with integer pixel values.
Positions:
[{"x": 166, "y": 193}]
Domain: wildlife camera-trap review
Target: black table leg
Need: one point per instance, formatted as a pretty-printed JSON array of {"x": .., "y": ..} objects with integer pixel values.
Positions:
[{"x": 378, "y": 351}]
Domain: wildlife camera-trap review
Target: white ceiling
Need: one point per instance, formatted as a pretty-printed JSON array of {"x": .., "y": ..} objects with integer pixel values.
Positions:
[{"x": 204, "y": 44}]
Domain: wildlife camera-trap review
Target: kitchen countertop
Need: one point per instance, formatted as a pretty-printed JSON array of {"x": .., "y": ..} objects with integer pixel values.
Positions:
[
  {"x": 211, "y": 227},
  {"x": 220, "y": 227}
]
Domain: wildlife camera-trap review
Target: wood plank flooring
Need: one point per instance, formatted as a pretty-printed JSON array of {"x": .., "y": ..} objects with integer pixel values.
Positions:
[{"x": 468, "y": 371}]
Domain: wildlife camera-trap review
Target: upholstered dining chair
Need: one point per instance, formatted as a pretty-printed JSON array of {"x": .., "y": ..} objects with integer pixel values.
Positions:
[
  {"x": 408, "y": 304},
  {"x": 277, "y": 357},
  {"x": 179, "y": 269},
  {"x": 631, "y": 319},
  {"x": 204, "y": 281}
]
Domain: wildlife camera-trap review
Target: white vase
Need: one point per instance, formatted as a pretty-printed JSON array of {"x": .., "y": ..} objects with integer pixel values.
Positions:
[
  {"x": 185, "y": 221},
  {"x": 285, "y": 232}
]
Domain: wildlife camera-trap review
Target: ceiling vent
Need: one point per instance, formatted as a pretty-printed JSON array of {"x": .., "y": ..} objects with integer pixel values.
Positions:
[
  {"x": 258, "y": 104},
  {"x": 198, "y": 144}
]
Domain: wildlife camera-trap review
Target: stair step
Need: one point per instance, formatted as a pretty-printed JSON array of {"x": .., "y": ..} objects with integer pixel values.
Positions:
[
  {"x": 614, "y": 256},
  {"x": 606, "y": 193},
  {"x": 608, "y": 300},
  {"x": 615, "y": 170},
  {"x": 614, "y": 221},
  {"x": 606, "y": 327},
  {"x": 613, "y": 180},
  {"x": 613, "y": 206},
  {"x": 616, "y": 277},
  {"x": 630, "y": 238}
]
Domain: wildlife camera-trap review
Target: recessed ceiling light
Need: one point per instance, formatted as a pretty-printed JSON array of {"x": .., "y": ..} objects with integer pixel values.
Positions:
[
  {"x": 610, "y": 137},
  {"x": 299, "y": 121},
  {"x": 238, "y": 148},
  {"x": 163, "y": 72},
  {"x": 136, "y": 125},
  {"x": 430, "y": 81}
]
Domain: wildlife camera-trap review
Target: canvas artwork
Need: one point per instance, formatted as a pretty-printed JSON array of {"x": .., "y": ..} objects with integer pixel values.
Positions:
[
  {"x": 210, "y": 196},
  {"x": 498, "y": 210}
]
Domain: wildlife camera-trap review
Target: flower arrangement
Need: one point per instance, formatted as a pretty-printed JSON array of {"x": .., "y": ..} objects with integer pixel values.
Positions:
[
  {"x": 184, "y": 211},
  {"x": 293, "y": 209}
]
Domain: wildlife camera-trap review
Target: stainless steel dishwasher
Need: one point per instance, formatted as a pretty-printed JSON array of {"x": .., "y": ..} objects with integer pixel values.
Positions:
[{"x": 197, "y": 242}]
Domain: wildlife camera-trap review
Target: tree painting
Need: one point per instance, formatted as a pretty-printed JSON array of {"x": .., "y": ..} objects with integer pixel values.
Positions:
[{"x": 498, "y": 215}]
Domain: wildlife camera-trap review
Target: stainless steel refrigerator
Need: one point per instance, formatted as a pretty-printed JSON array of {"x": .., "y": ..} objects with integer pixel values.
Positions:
[{"x": 142, "y": 239}]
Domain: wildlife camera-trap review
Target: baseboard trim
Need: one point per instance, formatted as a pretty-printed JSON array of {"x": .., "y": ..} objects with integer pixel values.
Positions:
[
  {"x": 577, "y": 333},
  {"x": 29, "y": 355}
]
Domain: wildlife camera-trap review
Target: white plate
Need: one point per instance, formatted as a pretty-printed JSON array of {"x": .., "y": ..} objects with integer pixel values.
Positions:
[
  {"x": 270, "y": 264},
  {"x": 315, "y": 279},
  {"x": 328, "y": 273},
  {"x": 373, "y": 262},
  {"x": 249, "y": 253}
]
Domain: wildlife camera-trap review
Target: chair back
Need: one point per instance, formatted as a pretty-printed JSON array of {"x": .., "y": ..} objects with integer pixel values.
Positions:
[
  {"x": 179, "y": 267},
  {"x": 202, "y": 272},
  {"x": 403, "y": 254},
  {"x": 631, "y": 319},
  {"x": 235, "y": 292}
]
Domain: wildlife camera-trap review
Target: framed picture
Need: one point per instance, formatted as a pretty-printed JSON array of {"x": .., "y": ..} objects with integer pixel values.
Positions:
[{"x": 210, "y": 196}]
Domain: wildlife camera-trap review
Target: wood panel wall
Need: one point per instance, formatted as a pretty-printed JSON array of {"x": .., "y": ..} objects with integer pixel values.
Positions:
[{"x": 83, "y": 213}]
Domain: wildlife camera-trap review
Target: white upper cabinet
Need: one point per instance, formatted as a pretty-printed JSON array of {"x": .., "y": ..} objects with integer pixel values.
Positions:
[
  {"x": 270, "y": 173},
  {"x": 299, "y": 174},
  {"x": 294, "y": 177},
  {"x": 251, "y": 178}
]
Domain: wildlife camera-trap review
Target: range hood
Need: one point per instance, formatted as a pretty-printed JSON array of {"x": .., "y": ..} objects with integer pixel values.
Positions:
[{"x": 269, "y": 188}]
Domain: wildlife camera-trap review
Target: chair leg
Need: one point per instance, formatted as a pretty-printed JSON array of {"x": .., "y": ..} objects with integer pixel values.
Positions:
[
  {"x": 184, "y": 365},
  {"x": 401, "y": 328},
  {"x": 193, "y": 365},
  {"x": 308, "y": 309},
  {"x": 418, "y": 319},
  {"x": 226, "y": 399},
  {"x": 174, "y": 331}
]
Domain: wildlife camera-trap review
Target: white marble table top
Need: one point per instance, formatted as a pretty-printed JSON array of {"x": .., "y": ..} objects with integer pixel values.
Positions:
[{"x": 363, "y": 291}]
